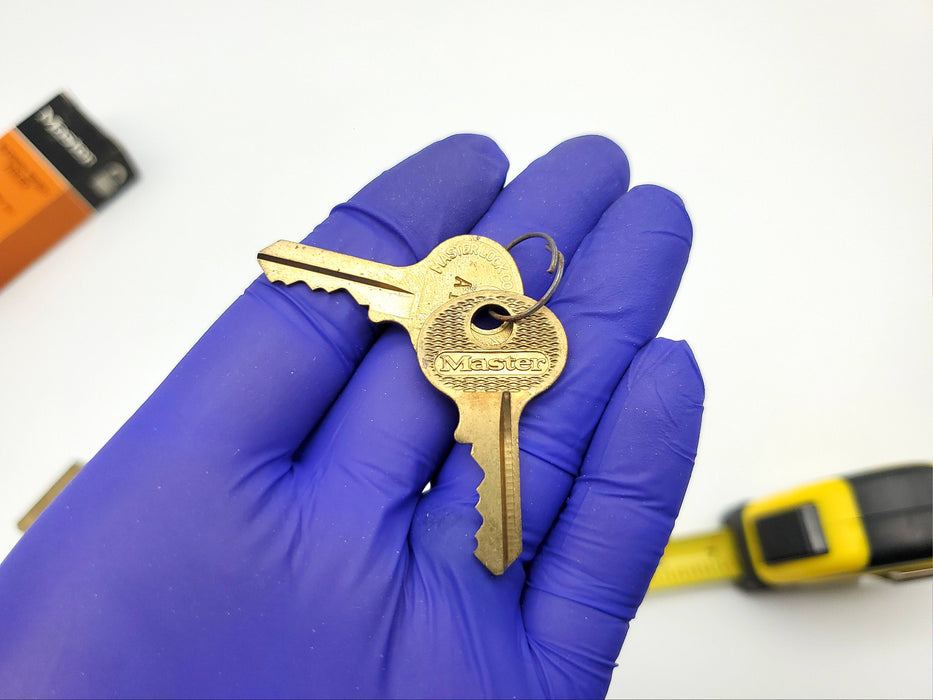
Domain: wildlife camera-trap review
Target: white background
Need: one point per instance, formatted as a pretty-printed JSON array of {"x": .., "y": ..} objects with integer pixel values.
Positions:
[{"x": 798, "y": 133}]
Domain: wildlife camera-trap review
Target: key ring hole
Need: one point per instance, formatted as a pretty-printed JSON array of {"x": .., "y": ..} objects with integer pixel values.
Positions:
[
  {"x": 483, "y": 319},
  {"x": 486, "y": 330}
]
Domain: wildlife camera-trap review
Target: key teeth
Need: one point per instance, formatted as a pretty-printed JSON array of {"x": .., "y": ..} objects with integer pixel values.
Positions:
[
  {"x": 487, "y": 550},
  {"x": 494, "y": 561},
  {"x": 276, "y": 272},
  {"x": 377, "y": 316}
]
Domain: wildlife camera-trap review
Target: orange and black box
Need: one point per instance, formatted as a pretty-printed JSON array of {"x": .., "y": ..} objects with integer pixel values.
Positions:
[{"x": 56, "y": 169}]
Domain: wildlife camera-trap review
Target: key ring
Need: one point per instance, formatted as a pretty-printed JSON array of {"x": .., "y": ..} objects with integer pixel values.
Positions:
[{"x": 556, "y": 268}]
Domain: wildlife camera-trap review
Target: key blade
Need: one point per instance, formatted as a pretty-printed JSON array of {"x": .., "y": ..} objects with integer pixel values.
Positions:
[
  {"x": 383, "y": 288},
  {"x": 493, "y": 431}
]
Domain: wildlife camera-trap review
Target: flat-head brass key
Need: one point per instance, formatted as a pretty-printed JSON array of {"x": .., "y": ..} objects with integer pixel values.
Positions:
[
  {"x": 491, "y": 375},
  {"x": 405, "y": 295}
]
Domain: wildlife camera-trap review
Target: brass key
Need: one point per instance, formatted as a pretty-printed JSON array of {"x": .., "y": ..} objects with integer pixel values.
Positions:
[
  {"x": 405, "y": 295},
  {"x": 491, "y": 375}
]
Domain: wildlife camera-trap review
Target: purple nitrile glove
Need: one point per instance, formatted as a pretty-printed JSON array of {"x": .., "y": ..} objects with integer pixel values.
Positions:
[{"x": 259, "y": 527}]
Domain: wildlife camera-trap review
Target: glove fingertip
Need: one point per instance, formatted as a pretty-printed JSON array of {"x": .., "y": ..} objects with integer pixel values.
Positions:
[
  {"x": 672, "y": 367},
  {"x": 481, "y": 145},
  {"x": 661, "y": 210},
  {"x": 596, "y": 149}
]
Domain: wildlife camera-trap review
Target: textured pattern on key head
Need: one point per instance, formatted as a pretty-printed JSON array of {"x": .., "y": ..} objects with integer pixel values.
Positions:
[{"x": 528, "y": 356}]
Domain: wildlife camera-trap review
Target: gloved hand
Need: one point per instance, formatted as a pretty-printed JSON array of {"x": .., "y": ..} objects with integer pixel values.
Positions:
[{"x": 259, "y": 527}]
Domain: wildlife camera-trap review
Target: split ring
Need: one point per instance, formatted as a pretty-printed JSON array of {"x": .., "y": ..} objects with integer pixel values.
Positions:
[{"x": 556, "y": 268}]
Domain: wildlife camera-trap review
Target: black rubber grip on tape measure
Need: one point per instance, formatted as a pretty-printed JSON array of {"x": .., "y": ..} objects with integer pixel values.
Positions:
[
  {"x": 748, "y": 579},
  {"x": 897, "y": 513}
]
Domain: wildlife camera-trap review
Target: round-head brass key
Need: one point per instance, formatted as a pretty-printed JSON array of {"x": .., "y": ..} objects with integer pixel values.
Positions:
[
  {"x": 491, "y": 374},
  {"x": 405, "y": 295}
]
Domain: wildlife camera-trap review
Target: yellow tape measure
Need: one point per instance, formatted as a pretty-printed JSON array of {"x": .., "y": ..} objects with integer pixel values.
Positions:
[
  {"x": 699, "y": 559},
  {"x": 878, "y": 522}
]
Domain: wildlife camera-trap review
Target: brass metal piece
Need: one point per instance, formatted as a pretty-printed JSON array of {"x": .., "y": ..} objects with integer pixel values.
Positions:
[
  {"x": 490, "y": 373},
  {"x": 405, "y": 295},
  {"x": 909, "y": 572},
  {"x": 48, "y": 497},
  {"x": 491, "y": 376}
]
